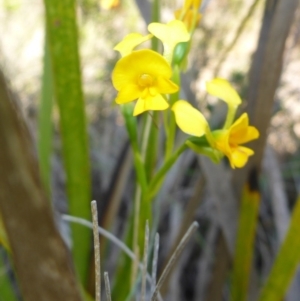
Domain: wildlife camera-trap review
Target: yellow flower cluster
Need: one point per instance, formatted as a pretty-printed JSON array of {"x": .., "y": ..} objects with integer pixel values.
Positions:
[{"x": 145, "y": 76}]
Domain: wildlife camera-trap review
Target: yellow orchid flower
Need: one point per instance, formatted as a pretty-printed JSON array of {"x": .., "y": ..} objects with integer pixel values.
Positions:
[
  {"x": 229, "y": 141},
  {"x": 143, "y": 75},
  {"x": 222, "y": 89},
  {"x": 170, "y": 34},
  {"x": 130, "y": 42}
]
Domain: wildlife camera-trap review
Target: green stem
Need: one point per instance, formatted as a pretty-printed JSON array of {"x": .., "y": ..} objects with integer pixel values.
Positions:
[
  {"x": 155, "y": 17},
  {"x": 131, "y": 126},
  {"x": 170, "y": 118},
  {"x": 230, "y": 117},
  {"x": 157, "y": 180}
]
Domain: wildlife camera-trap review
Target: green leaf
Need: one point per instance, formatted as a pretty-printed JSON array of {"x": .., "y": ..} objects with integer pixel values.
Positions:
[
  {"x": 244, "y": 245},
  {"x": 63, "y": 46},
  {"x": 286, "y": 262},
  {"x": 44, "y": 120}
]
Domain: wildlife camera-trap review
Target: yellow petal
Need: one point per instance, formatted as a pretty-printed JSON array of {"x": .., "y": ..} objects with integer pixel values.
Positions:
[
  {"x": 222, "y": 89},
  {"x": 189, "y": 120},
  {"x": 170, "y": 34},
  {"x": 130, "y": 42},
  {"x": 128, "y": 93},
  {"x": 166, "y": 86},
  {"x": 239, "y": 156},
  {"x": 156, "y": 103},
  {"x": 139, "y": 62},
  {"x": 188, "y": 4},
  {"x": 197, "y": 3},
  {"x": 241, "y": 132}
]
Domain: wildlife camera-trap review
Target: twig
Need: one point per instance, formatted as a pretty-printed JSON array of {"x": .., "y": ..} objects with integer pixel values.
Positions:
[
  {"x": 97, "y": 251},
  {"x": 174, "y": 257},
  {"x": 145, "y": 262},
  {"x": 107, "y": 286},
  {"x": 154, "y": 262}
]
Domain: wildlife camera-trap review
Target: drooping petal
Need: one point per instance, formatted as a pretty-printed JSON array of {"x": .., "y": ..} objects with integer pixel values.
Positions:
[
  {"x": 239, "y": 156},
  {"x": 166, "y": 86},
  {"x": 156, "y": 103},
  {"x": 222, "y": 89},
  {"x": 188, "y": 119},
  {"x": 133, "y": 65},
  {"x": 130, "y": 42},
  {"x": 170, "y": 34},
  {"x": 128, "y": 93}
]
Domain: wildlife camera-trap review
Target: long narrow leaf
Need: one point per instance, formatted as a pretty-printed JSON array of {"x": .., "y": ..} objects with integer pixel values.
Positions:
[
  {"x": 286, "y": 262},
  {"x": 244, "y": 244},
  {"x": 63, "y": 45},
  {"x": 44, "y": 120}
]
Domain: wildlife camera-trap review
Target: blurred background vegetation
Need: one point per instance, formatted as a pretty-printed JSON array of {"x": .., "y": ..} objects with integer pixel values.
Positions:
[{"x": 225, "y": 43}]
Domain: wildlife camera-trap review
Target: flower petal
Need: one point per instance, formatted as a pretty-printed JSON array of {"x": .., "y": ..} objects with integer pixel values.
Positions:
[
  {"x": 139, "y": 62},
  {"x": 170, "y": 34},
  {"x": 222, "y": 89},
  {"x": 166, "y": 86},
  {"x": 241, "y": 132},
  {"x": 189, "y": 120},
  {"x": 128, "y": 93},
  {"x": 239, "y": 156},
  {"x": 156, "y": 103},
  {"x": 130, "y": 42}
]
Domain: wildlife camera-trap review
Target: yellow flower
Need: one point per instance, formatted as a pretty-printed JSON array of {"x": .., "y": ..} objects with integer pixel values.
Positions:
[
  {"x": 229, "y": 141},
  {"x": 130, "y": 42},
  {"x": 143, "y": 75},
  {"x": 222, "y": 89},
  {"x": 170, "y": 34}
]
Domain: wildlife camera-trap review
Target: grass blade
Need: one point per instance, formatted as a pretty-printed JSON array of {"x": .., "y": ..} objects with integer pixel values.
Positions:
[
  {"x": 44, "y": 120},
  {"x": 63, "y": 46},
  {"x": 286, "y": 261},
  {"x": 244, "y": 244}
]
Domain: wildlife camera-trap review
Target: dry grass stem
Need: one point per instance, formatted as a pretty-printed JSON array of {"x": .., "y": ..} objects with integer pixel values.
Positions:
[
  {"x": 174, "y": 257},
  {"x": 108, "y": 235},
  {"x": 107, "y": 286},
  {"x": 97, "y": 251},
  {"x": 154, "y": 262},
  {"x": 145, "y": 262}
]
